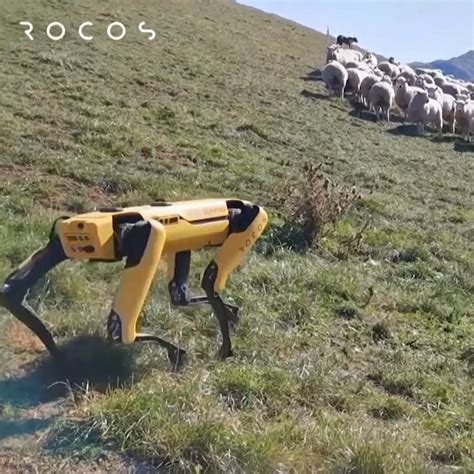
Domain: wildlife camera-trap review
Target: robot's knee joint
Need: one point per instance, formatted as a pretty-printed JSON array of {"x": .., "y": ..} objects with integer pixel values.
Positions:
[
  {"x": 8, "y": 294},
  {"x": 134, "y": 240}
]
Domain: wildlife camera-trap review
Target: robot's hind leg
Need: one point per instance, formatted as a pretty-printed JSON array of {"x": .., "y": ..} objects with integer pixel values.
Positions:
[{"x": 21, "y": 280}]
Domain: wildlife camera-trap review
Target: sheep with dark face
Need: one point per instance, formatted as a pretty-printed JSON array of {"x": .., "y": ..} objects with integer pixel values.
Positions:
[{"x": 423, "y": 111}]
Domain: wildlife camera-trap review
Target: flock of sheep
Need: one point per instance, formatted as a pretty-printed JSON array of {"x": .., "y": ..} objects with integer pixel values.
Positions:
[{"x": 423, "y": 96}]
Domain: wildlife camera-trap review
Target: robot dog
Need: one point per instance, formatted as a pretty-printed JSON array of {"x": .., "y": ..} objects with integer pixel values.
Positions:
[{"x": 144, "y": 236}]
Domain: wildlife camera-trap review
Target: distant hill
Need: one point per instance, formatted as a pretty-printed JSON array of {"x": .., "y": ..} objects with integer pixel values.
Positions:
[{"x": 461, "y": 67}]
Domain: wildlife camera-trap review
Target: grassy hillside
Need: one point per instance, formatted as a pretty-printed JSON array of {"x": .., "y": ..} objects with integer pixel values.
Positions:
[
  {"x": 323, "y": 376},
  {"x": 461, "y": 67}
]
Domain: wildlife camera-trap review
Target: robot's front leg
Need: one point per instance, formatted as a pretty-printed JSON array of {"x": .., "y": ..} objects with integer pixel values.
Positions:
[
  {"x": 245, "y": 228},
  {"x": 142, "y": 244},
  {"x": 226, "y": 316}
]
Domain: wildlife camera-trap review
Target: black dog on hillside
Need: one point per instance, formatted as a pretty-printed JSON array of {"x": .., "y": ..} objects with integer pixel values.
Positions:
[{"x": 349, "y": 40}]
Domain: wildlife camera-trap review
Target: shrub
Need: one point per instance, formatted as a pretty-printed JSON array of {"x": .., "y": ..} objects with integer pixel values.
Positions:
[{"x": 309, "y": 208}]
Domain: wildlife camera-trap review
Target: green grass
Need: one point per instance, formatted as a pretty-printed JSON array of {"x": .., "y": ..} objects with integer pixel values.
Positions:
[{"x": 212, "y": 107}]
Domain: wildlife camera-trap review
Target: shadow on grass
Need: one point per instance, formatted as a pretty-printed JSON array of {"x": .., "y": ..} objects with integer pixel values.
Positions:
[
  {"x": 313, "y": 76},
  {"x": 88, "y": 361},
  {"x": 405, "y": 130},
  {"x": 396, "y": 119},
  {"x": 430, "y": 134},
  {"x": 463, "y": 146},
  {"x": 361, "y": 113},
  {"x": 444, "y": 138},
  {"x": 23, "y": 427},
  {"x": 316, "y": 95}
]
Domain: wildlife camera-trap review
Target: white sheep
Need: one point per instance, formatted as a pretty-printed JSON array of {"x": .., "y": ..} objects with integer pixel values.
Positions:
[
  {"x": 423, "y": 81},
  {"x": 365, "y": 87},
  {"x": 420, "y": 82},
  {"x": 448, "y": 105},
  {"x": 351, "y": 65},
  {"x": 346, "y": 55},
  {"x": 430, "y": 72},
  {"x": 460, "y": 86},
  {"x": 464, "y": 115},
  {"x": 390, "y": 69},
  {"x": 404, "y": 93},
  {"x": 408, "y": 73},
  {"x": 428, "y": 79},
  {"x": 464, "y": 97},
  {"x": 335, "y": 76},
  {"x": 370, "y": 59},
  {"x": 424, "y": 110},
  {"x": 355, "y": 78},
  {"x": 451, "y": 89},
  {"x": 406, "y": 68},
  {"x": 363, "y": 66},
  {"x": 342, "y": 55},
  {"x": 331, "y": 52},
  {"x": 381, "y": 97},
  {"x": 358, "y": 65}
]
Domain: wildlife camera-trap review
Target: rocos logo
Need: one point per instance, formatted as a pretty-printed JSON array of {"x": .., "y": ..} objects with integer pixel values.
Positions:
[{"x": 116, "y": 31}]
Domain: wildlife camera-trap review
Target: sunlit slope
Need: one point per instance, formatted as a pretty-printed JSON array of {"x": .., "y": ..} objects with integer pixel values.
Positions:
[{"x": 217, "y": 105}]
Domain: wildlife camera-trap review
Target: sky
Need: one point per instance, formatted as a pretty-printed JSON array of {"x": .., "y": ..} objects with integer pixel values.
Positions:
[{"x": 409, "y": 30}]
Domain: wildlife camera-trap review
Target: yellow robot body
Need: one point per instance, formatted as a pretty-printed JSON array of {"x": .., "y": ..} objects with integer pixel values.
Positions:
[
  {"x": 189, "y": 225},
  {"x": 145, "y": 236}
]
